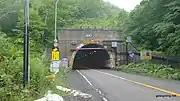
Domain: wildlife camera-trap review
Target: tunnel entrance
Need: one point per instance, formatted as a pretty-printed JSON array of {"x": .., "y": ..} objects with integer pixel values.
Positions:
[{"x": 91, "y": 56}]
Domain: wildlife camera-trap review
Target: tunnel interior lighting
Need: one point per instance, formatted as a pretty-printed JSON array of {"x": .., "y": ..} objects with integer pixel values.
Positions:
[{"x": 94, "y": 58}]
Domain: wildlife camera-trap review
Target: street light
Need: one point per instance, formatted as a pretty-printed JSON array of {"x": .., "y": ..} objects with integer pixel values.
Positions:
[{"x": 55, "y": 39}]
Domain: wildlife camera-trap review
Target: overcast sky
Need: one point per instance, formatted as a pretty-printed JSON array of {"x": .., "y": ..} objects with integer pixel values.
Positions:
[{"x": 126, "y": 4}]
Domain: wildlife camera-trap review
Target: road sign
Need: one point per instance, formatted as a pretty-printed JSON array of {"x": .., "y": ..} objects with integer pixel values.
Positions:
[
  {"x": 114, "y": 44},
  {"x": 146, "y": 55},
  {"x": 85, "y": 41},
  {"x": 55, "y": 54},
  {"x": 99, "y": 41},
  {"x": 64, "y": 62},
  {"x": 55, "y": 44},
  {"x": 128, "y": 39},
  {"x": 131, "y": 54},
  {"x": 54, "y": 67},
  {"x": 92, "y": 41}
]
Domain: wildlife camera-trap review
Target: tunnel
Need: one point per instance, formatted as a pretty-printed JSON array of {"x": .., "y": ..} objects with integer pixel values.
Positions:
[{"x": 91, "y": 56}]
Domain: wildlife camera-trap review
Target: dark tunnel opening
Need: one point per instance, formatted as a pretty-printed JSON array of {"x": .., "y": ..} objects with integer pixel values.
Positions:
[{"x": 91, "y": 56}]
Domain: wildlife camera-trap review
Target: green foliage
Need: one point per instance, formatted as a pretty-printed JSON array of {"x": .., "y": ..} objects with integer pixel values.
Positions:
[
  {"x": 71, "y": 13},
  {"x": 8, "y": 13},
  {"x": 155, "y": 70},
  {"x": 154, "y": 24},
  {"x": 11, "y": 75}
]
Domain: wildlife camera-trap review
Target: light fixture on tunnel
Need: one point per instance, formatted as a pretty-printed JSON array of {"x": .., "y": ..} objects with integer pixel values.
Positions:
[
  {"x": 88, "y": 35},
  {"x": 105, "y": 47},
  {"x": 94, "y": 51},
  {"x": 73, "y": 42}
]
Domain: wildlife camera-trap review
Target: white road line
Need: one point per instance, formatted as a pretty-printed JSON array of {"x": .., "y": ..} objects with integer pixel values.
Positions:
[
  {"x": 97, "y": 90},
  {"x": 111, "y": 75},
  {"x": 142, "y": 84},
  {"x": 84, "y": 78},
  {"x": 104, "y": 99}
]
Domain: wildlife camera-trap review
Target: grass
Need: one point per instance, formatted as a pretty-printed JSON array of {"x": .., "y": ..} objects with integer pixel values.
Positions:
[
  {"x": 11, "y": 74},
  {"x": 153, "y": 70},
  {"x": 11, "y": 80}
]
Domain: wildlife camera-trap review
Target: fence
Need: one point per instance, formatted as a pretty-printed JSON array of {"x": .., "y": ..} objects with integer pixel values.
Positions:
[{"x": 174, "y": 62}]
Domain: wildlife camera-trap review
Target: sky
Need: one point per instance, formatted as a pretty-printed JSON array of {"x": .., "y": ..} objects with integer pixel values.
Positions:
[{"x": 128, "y": 5}]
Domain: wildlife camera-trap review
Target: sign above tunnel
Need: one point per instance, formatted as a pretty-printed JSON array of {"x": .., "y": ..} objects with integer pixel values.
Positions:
[{"x": 92, "y": 42}]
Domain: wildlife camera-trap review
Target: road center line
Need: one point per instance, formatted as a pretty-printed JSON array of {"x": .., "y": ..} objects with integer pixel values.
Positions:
[{"x": 142, "y": 84}]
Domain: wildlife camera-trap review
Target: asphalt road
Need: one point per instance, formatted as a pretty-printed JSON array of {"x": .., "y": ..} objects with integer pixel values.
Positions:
[{"x": 118, "y": 86}]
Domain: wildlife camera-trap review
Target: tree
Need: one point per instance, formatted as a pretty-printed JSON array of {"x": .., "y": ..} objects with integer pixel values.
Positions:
[{"x": 154, "y": 25}]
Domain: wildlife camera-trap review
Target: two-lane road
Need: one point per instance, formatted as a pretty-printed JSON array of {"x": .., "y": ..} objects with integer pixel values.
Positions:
[{"x": 119, "y": 86}]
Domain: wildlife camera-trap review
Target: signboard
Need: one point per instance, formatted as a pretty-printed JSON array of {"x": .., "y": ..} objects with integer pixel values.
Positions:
[
  {"x": 85, "y": 41},
  {"x": 54, "y": 67},
  {"x": 146, "y": 55},
  {"x": 92, "y": 41},
  {"x": 64, "y": 62},
  {"x": 131, "y": 54},
  {"x": 55, "y": 44},
  {"x": 114, "y": 44},
  {"x": 65, "y": 59},
  {"x": 128, "y": 39},
  {"x": 55, "y": 54},
  {"x": 99, "y": 42}
]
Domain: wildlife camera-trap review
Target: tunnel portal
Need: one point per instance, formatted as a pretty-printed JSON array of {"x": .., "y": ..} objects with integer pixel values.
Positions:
[{"x": 91, "y": 56}]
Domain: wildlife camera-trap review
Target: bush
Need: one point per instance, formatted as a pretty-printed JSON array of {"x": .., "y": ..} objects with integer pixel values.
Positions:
[
  {"x": 11, "y": 81},
  {"x": 155, "y": 70},
  {"x": 39, "y": 84},
  {"x": 11, "y": 75}
]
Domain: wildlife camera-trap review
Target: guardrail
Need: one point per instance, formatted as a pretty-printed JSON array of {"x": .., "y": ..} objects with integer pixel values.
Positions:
[{"x": 172, "y": 61}]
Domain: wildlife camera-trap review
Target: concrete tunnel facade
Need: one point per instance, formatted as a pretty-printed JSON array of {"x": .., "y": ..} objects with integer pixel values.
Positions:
[{"x": 95, "y": 58}]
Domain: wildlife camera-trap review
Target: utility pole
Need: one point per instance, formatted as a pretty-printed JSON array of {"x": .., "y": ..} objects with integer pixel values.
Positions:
[
  {"x": 55, "y": 29},
  {"x": 128, "y": 40},
  {"x": 26, "y": 43},
  {"x": 114, "y": 46},
  {"x": 115, "y": 51},
  {"x": 127, "y": 57}
]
